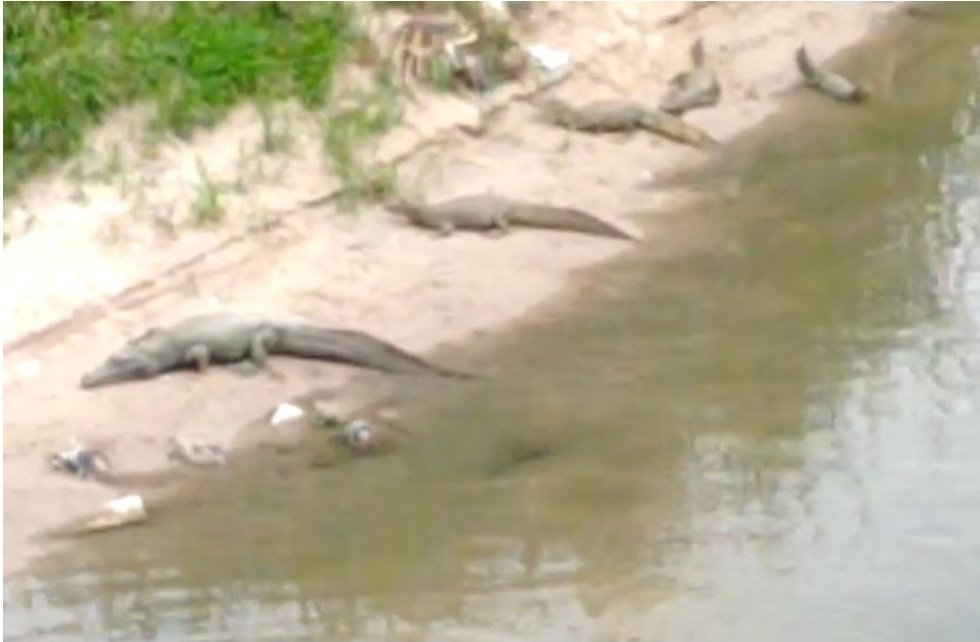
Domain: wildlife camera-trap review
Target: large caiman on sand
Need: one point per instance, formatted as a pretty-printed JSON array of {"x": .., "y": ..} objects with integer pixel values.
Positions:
[
  {"x": 489, "y": 211},
  {"x": 229, "y": 337},
  {"x": 621, "y": 115}
]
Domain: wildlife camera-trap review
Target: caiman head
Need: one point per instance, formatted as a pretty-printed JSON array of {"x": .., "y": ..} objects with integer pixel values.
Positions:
[
  {"x": 141, "y": 358},
  {"x": 403, "y": 206},
  {"x": 554, "y": 110}
]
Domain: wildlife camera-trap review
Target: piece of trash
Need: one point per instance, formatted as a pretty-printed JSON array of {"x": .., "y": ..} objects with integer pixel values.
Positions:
[
  {"x": 196, "y": 453},
  {"x": 359, "y": 435},
  {"x": 118, "y": 512},
  {"x": 551, "y": 64},
  {"x": 286, "y": 412},
  {"x": 505, "y": 9},
  {"x": 127, "y": 505},
  {"x": 80, "y": 461},
  {"x": 497, "y": 6}
]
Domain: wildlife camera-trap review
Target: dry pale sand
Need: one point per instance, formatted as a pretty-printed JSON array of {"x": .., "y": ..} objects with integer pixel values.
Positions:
[{"x": 98, "y": 261}]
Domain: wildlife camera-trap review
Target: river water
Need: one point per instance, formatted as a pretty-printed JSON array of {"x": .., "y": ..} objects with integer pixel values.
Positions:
[{"x": 774, "y": 438}]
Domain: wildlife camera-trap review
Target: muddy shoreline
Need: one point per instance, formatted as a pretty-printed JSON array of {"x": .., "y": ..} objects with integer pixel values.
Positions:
[{"x": 360, "y": 272}]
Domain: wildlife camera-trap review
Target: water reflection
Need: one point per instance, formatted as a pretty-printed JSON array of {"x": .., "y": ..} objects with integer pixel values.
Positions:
[{"x": 756, "y": 445}]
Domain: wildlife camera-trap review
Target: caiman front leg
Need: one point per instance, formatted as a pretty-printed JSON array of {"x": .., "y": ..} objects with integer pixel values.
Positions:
[
  {"x": 445, "y": 229},
  {"x": 198, "y": 356},
  {"x": 259, "y": 349},
  {"x": 500, "y": 225}
]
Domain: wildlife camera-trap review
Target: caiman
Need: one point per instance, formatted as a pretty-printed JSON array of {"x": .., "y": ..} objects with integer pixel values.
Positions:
[
  {"x": 830, "y": 84},
  {"x": 230, "y": 337},
  {"x": 695, "y": 88},
  {"x": 621, "y": 115},
  {"x": 490, "y": 212}
]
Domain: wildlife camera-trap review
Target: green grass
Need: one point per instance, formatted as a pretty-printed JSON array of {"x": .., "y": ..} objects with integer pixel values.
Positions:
[{"x": 66, "y": 65}]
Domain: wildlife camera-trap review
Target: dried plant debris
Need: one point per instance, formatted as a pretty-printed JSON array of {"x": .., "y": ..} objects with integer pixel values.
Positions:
[
  {"x": 196, "y": 453},
  {"x": 447, "y": 51}
]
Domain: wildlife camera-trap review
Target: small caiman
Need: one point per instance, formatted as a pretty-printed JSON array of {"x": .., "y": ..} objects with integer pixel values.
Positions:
[
  {"x": 694, "y": 88},
  {"x": 622, "y": 115},
  {"x": 830, "y": 84},
  {"x": 231, "y": 337},
  {"x": 486, "y": 212}
]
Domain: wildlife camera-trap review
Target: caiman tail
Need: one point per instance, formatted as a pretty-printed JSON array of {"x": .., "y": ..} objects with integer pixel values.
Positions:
[
  {"x": 564, "y": 218},
  {"x": 672, "y": 127},
  {"x": 834, "y": 85},
  {"x": 357, "y": 349},
  {"x": 805, "y": 65}
]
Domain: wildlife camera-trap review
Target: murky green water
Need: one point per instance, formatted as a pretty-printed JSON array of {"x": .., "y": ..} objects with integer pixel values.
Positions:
[{"x": 775, "y": 440}]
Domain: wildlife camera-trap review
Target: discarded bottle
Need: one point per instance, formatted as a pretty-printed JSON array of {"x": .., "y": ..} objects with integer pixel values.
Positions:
[{"x": 122, "y": 511}]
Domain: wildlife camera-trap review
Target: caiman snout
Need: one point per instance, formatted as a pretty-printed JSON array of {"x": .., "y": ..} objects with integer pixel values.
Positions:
[
  {"x": 113, "y": 371},
  {"x": 401, "y": 206}
]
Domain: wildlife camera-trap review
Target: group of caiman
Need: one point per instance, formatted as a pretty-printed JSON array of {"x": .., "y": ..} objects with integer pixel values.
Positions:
[
  {"x": 248, "y": 339},
  {"x": 231, "y": 338},
  {"x": 697, "y": 87},
  {"x": 245, "y": 341}
]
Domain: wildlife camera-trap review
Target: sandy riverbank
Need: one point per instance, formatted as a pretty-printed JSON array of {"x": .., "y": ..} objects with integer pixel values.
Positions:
[{"x": 366, "y": 271}]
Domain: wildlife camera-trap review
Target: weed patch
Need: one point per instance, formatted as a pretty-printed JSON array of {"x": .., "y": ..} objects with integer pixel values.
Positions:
[{"x": 65, "y": 65}]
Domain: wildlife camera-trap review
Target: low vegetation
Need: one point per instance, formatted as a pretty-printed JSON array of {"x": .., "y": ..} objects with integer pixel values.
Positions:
[{"x": 67, "y": 64}]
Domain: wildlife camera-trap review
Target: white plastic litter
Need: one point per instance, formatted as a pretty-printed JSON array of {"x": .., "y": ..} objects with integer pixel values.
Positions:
[
  {"x": 552, "y": 64},
  {"x": 286, "y": 412},
  {"x": 117, "y": 513},
  {"x": 129, "y": 506},
  {"x": 499, "y": 6}
]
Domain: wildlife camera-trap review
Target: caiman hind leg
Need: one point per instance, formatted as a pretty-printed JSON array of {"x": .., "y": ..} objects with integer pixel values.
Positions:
[{"x": 199, "y": 358}]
